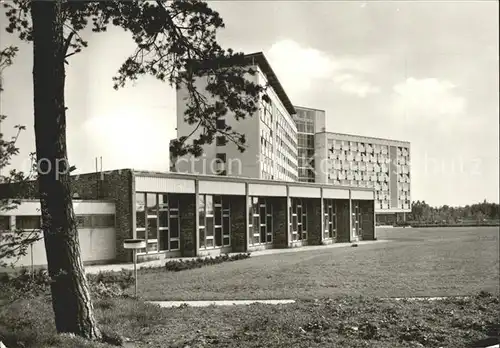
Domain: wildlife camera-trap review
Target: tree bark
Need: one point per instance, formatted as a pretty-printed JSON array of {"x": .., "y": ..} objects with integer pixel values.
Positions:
[{"x": 71, "y": 301}]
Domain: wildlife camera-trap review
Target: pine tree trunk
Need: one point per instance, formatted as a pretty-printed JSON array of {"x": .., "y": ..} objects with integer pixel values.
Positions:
[{"x": 71, "y": 301}]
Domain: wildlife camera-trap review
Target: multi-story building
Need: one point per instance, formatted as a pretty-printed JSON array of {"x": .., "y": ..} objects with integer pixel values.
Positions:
[
  {"x": 291, "y": 143},
  {"x": 357, "y": 161},
  {"x": 271, "y": 134},
  {"x": 309, "y": 122}
]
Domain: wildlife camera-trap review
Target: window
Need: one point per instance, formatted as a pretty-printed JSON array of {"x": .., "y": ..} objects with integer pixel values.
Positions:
[
  {"x": 4, "y": 223},
  {"x": 221, "y": 157},
  {"x": 103, "y": 221},
  {"x": 214, "y": 222},
  {"x": 28, "y": 222},
  {"x": 220, "y": 140},
  {"x": 220, "y": 124}
]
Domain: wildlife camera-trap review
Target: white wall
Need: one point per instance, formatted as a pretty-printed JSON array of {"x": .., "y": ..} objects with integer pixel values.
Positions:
[
  {"x": 249, "y": 126},
  {"x": 96, "y": 244},
  {"x": 320, "y": 158}
]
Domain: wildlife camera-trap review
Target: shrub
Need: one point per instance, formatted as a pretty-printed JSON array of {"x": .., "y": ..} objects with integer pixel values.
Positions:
[
  {"x": 181, "y": 265},
  {"x": 123, "y": 279}
]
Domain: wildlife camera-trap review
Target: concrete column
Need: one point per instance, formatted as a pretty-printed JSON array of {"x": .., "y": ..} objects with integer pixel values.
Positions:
[
  {"x": 197, "y": 217},
  {"x": 239, "y": 225},
  {"x": 350, "y": 216},
  {"x": 322, "y": 217},
  {"x": 187, "y": 214},
  {"x": 288, "y": 217},
  {"x": 314, "y": 221},
  {"x": 247, "y": 217}
]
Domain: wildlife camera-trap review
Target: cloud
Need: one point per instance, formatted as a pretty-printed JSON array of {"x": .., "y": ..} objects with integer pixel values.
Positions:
[
  {"x": 355, "y": 85},
  {"x": 300, "y": 68},
  {"x": 130, "y": 137},
  {"x": 429, "y": 99}
]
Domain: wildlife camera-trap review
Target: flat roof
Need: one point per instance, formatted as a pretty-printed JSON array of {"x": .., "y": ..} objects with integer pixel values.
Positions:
[
  {"x": 308, "y": 108},
  {"x": 242, "y": 179},
  {"x": 359, "y": 137},
  {"x": 261, "y": 60}
]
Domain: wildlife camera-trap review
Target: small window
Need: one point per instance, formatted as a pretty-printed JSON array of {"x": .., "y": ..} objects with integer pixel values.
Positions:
[
  {"x": 220, "y": 140},
  {"x": 221, "y": 124},
  {"x": 28, "y": 222},
  {"x": 221, "y": 157},
  {"x": 4, "y": 223},
  {"x": 103, "y": 221}
]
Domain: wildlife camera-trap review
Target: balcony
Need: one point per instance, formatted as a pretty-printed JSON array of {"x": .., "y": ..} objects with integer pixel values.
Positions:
[
  {"x": 384, "y": 151},
  {"x": 361, "y": 148},
  {"x": 369, "y": 149}
]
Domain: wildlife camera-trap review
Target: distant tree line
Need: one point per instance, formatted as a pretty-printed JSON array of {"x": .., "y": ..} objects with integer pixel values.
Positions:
[{"x": 479, "y": 213}]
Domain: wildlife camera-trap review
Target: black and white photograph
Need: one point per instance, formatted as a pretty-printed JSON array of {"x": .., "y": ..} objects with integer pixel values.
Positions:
[{"x": 249, "y": 174}]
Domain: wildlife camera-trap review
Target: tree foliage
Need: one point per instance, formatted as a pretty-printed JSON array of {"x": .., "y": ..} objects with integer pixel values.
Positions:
[
  {"x": 175, "y": 43},
  {"x": 13, "y": 243},
  {"x": 423, "y": 212}
]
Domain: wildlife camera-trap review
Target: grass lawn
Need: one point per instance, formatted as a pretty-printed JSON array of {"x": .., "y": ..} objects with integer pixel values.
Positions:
[
  {"x": 417, "y": 262},
  {"x": 343, "y": 322}
]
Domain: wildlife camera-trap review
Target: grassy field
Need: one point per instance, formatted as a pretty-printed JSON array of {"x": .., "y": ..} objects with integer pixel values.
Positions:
[
  {"x": 343, "y": 322},
  {"x": 427, "y": 262},
  {"x": 416, "y": 262}
]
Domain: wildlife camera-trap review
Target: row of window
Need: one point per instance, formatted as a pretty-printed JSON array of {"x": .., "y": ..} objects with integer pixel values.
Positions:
[
  {"x": 304, "y": 119},
  {"x": 158, "y": 221},
  {"x": 365, "y": 147},
  {"x": 330, "y": 219},
  {"x": 260, "y": 227},
  {"x": 34, "y": 222},
  {"x": 214, "y": 214},
  {"x": 305, "y": 126},
  {"x": 305, "y": 140},
  {"x": 298, "y": 219}
]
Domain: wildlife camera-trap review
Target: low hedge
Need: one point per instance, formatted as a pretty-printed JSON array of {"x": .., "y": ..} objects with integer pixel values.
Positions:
[
  {"x": 24, "y": 284},
  {"x": 181, "y": 265}
]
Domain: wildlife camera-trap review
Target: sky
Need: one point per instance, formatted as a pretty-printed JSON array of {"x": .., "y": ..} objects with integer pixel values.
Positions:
[{"x": 423, "y": 72}]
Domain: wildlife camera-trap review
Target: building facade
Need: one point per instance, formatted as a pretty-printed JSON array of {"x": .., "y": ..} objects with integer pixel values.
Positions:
[
  {"x": 195, "y": 215},
  {"x": 356, "y": 161},
  {"x": 271, "y": 134},
  {"x": 96, "y": 230},
  {"x": 309, "y": 122}
]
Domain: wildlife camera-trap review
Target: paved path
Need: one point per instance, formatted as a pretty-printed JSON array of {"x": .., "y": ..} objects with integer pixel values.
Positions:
[
  {"x": 160, "y": 263},
  {"x": 169, "y": 304}
]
